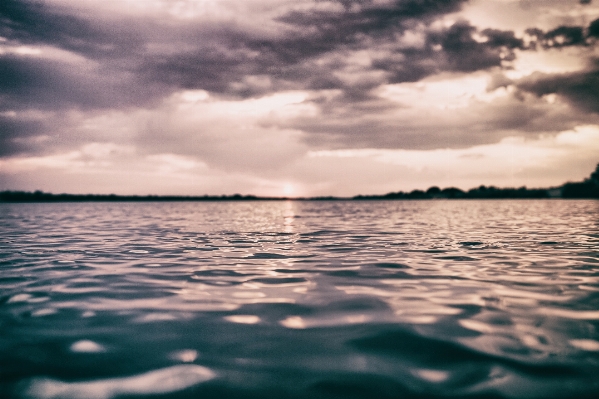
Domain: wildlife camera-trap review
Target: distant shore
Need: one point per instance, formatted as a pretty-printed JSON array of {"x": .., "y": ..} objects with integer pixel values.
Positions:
[
  {"x": 569, "y": 190},
  {"x": 587, "y": 189}
]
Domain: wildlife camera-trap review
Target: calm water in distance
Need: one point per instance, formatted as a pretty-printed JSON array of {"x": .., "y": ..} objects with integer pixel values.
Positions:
[{"x": 337, "y": 299}]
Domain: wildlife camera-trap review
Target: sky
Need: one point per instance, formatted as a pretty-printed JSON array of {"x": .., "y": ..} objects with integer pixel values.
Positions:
[{"x": 296, "y": 97}]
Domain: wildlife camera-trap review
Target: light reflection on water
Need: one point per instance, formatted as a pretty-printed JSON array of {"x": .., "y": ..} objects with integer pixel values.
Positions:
[{"x": 300, "y": 299}]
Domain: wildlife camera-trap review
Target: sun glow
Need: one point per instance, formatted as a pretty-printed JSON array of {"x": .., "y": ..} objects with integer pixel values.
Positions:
[{"x": 288, "y": 190}]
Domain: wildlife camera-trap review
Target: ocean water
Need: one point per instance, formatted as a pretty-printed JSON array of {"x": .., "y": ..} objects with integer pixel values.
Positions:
[{"x": 331, "y": 299}]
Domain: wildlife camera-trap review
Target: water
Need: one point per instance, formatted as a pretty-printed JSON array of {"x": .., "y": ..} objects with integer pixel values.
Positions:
[{"x": 423, "y": 299}]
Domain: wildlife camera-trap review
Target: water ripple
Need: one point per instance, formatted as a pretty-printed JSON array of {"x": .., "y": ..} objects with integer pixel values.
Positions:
[{"x": 389, "y": 299}]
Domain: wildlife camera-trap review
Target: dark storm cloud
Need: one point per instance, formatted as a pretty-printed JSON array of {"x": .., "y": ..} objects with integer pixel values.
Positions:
[
  {"x": 32, "y": 82},
  {"x": 562, "y": 36},
  {"x": 230, "y": 60},
  {"x": 465, "y": 54},
  {"x": 367, "y": 18},
  {"x": 375, "y": 27},
  {"x": 32, "y": 22},
  {"x": 288, "y": 60},
  {"x": 218, "y": 56},
  {"x": 581, "y": 89},
  {"x": 458, "y": 48},
  {"x": 363, "y": 17},
  {"x": 462, "y": 48},
  {"x": 125, "y": 61},
  {"x": 14, "y": 134},
  {"x": 95, "y": 75}
]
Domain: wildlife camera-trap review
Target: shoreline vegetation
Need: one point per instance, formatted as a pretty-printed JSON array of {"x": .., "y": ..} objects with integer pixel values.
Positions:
[{"x": 587, "y": 189}]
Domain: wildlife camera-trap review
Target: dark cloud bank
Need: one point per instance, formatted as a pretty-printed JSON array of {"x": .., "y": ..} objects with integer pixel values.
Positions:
[{"x": 120, "y": 62}]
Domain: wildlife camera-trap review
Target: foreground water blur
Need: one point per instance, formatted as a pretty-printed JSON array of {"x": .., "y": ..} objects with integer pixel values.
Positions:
[{"x": 332, "y": 299}]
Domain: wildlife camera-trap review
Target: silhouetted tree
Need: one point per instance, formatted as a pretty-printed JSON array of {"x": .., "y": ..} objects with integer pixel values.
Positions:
[
  {"x": 433, "y": 190},
  {"x": 595, "y": 175}
]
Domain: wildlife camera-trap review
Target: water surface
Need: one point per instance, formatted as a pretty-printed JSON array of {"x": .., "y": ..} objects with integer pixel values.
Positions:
[{"x": 331, "y": 299}]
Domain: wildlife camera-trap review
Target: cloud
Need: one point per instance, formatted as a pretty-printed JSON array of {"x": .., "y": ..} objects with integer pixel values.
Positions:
[
  {"x": 47, "y": 84},
  {"x": 35, "y": 22},
  {"x": 542, "y": 161},
  {"x": 444, "y": 111},
  {"x": 580, "y": 89},
  {"x": 121, "y": 60},
  {"x": 250, "y": 87},
  {"x": 159, "y": 57},
  {"x": 562, "y": 36}
]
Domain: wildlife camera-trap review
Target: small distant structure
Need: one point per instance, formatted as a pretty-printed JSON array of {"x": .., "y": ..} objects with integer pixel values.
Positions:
[{"x": 555, "y": 192}]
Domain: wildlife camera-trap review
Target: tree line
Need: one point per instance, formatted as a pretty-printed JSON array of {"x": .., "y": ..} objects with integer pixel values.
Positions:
[{"x": 588, "y": 188}]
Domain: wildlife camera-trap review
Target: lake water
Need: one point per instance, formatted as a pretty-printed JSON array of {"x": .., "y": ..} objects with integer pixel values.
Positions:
[{"x": 331, "y": 299}]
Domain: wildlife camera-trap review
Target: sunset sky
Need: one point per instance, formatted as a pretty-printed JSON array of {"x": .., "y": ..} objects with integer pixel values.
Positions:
[{"x": 296, "y": 97}]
